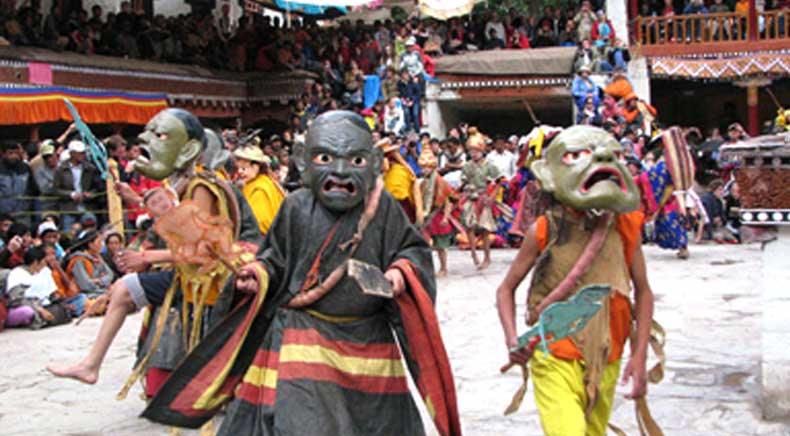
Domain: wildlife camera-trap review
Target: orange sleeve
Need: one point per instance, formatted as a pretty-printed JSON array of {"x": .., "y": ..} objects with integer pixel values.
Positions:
[
  {"x": 542, "y": 232},
  {"x": 629, "y": 226}
]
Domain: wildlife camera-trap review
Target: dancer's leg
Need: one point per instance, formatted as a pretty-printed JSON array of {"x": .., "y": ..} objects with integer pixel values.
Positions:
[
  {"x": 87, "y": 370},
  {"x": 486, "y": 251}
]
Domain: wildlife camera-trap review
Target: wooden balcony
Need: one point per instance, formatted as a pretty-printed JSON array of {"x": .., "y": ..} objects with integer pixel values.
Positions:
[{"x": 712, "y": 33}]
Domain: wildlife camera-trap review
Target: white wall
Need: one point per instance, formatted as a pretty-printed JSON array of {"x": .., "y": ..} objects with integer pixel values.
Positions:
[
  {"x": 617, "y": 13},
  {"x": 775, "y": 377},
  {"x": 171, "y": 8}
]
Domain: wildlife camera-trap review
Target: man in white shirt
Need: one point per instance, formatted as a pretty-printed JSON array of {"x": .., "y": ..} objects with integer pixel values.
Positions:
[
  {"x": 495, "y": 23},
  {"x": 504, "y": 160}
]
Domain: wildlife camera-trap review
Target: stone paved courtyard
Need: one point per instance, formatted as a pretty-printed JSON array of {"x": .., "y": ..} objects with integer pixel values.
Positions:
[{"x": 710, "y": 306}]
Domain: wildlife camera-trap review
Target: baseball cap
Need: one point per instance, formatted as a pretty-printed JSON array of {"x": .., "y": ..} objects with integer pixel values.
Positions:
[
  {"x": 46, "y": 226},
  {"x": 88, "y": 219},
  {"x": 47, "y": 150},
  {"x": 76, "y": 147}
]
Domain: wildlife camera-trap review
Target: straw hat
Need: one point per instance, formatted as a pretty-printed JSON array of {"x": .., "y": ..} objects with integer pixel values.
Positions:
[
  {"x": 252, "y": 154},
  {"x": 386, "y": 146}
]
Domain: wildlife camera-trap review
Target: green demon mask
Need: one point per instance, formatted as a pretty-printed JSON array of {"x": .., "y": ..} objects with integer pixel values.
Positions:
[
  {"x": 584, "y": 168},
  {"x": 338, "y": 161},
  {"x": 174, "y": 140}
]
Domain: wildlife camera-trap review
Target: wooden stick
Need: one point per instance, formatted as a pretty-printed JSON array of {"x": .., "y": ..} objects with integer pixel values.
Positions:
[
  {"x": 773, "y": 97},
  {"x": 222, "y": 259}
]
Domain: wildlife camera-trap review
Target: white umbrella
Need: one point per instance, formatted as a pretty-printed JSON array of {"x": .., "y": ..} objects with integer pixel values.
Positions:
[
  {"x": 335, "y": 3},
  {"x": 444, "y": 9}
]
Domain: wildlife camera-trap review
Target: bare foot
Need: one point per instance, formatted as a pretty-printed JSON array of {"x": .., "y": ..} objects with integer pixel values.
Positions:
[
  {"x": 486, "y": 263},
  {"x": 441, "y": 273},
  {"x": 475, "y": 260},
  {"x": 79, "y": 372}
]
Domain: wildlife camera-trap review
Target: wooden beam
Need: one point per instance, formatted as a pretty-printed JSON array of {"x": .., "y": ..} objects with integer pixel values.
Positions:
[
  {"x": 534, "y": 92},
  {"x": 680, "y": 49}
]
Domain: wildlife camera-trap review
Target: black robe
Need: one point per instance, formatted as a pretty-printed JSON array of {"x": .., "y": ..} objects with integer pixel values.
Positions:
[{"x": 333, "y": 367}]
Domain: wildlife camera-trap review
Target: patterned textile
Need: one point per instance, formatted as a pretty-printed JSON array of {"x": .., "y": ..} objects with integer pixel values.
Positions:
[{"x": 670, "y": 232}]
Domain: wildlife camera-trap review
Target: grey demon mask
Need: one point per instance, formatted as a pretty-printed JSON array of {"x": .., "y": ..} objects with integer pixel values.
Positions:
[{"x": 338, "y": 161}]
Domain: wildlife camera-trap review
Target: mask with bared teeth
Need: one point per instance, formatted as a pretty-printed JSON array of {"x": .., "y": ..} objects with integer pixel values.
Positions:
[
  {"x": 338, "y": 161},
  {"x": 584, "y": 168}
]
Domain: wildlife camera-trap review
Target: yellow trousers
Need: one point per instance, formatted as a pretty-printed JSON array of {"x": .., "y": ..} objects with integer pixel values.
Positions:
[{"x": 562, "y": 400}]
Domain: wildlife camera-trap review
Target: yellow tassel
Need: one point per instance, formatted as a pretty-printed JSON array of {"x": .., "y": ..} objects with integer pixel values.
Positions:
[{"x": 160, "y": 327}]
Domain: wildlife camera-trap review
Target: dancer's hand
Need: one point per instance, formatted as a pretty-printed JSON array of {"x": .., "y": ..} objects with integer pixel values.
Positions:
[
  {"x": 396, "y": 279},
  {"x": 247, "y": 280},
  {"x": 520, "y": 357},
  {"x": 131, "y": 261},
  {"x": 636, "y": 372}
]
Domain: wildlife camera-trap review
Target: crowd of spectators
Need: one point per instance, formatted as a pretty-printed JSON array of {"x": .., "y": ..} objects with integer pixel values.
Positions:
[
  {"x": 256, "y": 42},
  {"x": 53, "y": 205},
  {"x": 722, "y": 29}
]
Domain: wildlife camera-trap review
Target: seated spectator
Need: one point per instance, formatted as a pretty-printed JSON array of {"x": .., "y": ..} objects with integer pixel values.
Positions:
[
  {"x": 26, "y": 294},
  {"x": 585, "y": 19},
  {"x": 49, "y": 233},
  {"x": 17, "y": 241},
  {"x": 493, "y": 42},
  {"x": 714, "y": 207},
  {"x": 86, "y": 267},
  {"x": 619, "y": 86},
  {"x": 610, "y": 110},
  {"x": 519, "y": 40},
  {"x": 113, "y": 246},
  {"x": 732, "y": 206},
  {"x": 66, "y": 291},
  {"x": 394, "y": 117},
  {"x": 602, "y": 31},
  {"x": 616, "y": 56},
  {"x": 568, "y": 37},
  {"x": 544, "y": 35},
  {"x": 638, "y": 113},
  {"x": 588, "y": 56},
  {"x": 588, "y": 116},
  {"x": 583, "y": 87}
]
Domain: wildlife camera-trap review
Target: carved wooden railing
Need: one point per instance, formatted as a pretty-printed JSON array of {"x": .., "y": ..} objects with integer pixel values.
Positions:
[
  {"x": 775, "y": 25},
  {"x": 712, "y": 28},
  {"x": 697, "y": 28}
]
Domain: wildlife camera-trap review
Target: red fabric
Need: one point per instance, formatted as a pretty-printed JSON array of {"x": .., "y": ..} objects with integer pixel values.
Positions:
[
  {"x": 140, "y": 185},
  {"x": 523, "y": 41},
  {"x": 595, "y": 31},
  {"x": 185, "y": 400},
  {"x": 435, "y": 380},
  {"x": 154, "y": 379},
  {"x": 436, "y": 228}
]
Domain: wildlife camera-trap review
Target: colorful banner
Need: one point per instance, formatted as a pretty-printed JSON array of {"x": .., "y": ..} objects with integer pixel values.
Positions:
[{"x": 45, "y": 105}]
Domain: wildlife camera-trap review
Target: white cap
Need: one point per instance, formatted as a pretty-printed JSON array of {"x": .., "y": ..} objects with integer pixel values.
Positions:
[
  {"x": 66, "y": 155},
  {"x": 76, "y": 147},
  {"x": 143, "y": 217},
  {"x": 46, "y": 225}
]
